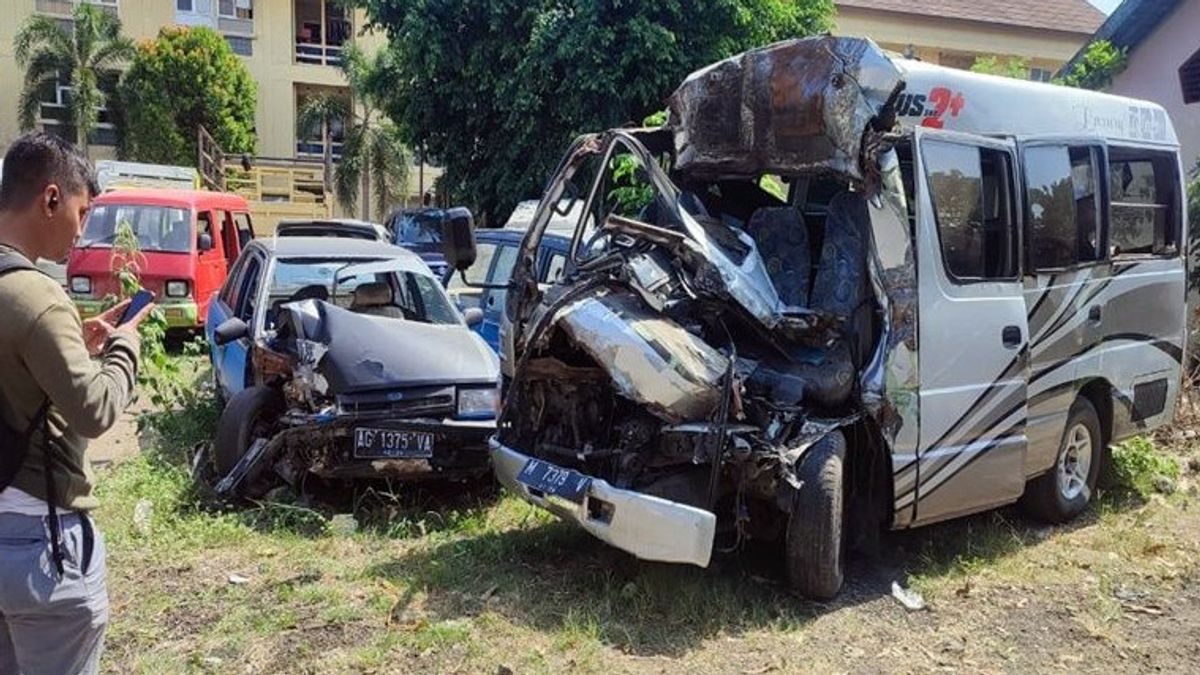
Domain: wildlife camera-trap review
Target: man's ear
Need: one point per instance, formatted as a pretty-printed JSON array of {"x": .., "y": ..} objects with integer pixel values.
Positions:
[{"x": 51, "y": 196}]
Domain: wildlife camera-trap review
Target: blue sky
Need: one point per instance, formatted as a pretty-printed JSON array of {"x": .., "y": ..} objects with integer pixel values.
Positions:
[{"x": 1106, "y": 6}]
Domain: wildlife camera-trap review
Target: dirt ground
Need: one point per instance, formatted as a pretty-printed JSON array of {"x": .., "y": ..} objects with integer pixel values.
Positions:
[{"x": 119, "y": 442}]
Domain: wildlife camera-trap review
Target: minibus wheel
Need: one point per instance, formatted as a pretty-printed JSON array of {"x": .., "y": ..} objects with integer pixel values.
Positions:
[
  {"x": 1063, "y": 492},
  {"x": 250, "y": 414},
  {"x": 813, "y": 549}
]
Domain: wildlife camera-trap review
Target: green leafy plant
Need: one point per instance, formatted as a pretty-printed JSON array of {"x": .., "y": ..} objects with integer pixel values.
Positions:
[
  {"x": 185, "y": 79},
  {"x": 1101, "y": 62},
  {"x": 160, "y": 372},
  {"x": 495, "y": 100},
  {"x": 85, "y": 54},
  {"x": 992, "y": 65},
  {"x": 630, "y": 192},
  {"x": 1138, "y": 465}
]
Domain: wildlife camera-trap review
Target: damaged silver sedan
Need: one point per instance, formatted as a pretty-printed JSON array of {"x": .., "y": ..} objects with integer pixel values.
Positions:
[
  {"x": 732, "y": 351},
  {"x": 344, "y": 360}
]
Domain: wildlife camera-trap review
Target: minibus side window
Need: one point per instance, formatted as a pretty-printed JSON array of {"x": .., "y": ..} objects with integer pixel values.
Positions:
[
  {"x": 972, "y": 193},
  {"x": 1144, "y": 203},
  {"x": 1084, "y": 173},
  {"x": 1066, "y": 224}
]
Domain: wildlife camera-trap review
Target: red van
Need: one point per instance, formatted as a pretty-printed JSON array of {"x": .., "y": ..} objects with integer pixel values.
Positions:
[{"x": 188, "y": 240}]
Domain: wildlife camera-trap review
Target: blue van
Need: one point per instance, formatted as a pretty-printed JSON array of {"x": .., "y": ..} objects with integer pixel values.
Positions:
[{"x": 496, "y": 253}]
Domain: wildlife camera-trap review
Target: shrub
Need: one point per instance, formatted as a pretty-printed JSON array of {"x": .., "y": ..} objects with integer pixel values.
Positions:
[
  {"x": 1139, "y": 465},
  {"x": 185, "y": 79}
]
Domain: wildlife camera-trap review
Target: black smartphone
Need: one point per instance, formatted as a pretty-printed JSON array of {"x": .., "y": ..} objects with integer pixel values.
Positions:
[{"x": 139, "y": 301}]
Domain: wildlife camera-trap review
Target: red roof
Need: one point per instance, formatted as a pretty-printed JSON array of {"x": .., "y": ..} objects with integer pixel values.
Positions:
[
  {"x": 1072, "y": 16},
  {"x": 171, "y": 197}
]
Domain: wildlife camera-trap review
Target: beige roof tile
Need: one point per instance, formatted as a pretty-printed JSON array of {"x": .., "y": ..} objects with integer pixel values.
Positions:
[{"x": 1074, "y": 16}]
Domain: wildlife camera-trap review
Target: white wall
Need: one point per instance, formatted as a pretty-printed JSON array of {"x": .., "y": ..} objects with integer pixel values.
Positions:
[{"x": 1153, "y": 74}]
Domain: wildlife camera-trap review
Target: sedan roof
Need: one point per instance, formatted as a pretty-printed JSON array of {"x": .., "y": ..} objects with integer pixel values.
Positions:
[{"x": 335, "y": 247}]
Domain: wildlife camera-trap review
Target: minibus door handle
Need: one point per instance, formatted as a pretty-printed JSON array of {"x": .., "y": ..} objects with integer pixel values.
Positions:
[
  {"x": 1011, "y": 336},
  {"x": 1094, "y": 314}
]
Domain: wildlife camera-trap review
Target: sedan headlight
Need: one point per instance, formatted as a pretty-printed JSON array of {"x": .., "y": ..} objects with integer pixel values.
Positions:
[
  {"x": 478, "y": 403},
  {"x": 177, "y": 289},
  {"x": 82, "y": 285}
]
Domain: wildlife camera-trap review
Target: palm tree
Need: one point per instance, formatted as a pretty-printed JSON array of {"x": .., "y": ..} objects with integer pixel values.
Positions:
[
  {"x": 87, "y": 55},
  {"x": 373, "y": 157}
]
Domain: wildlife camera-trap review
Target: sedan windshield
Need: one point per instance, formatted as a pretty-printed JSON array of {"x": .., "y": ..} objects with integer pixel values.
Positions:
[
  {"x": 156, "y": 228},
  {"x": 387, "y": 288}
]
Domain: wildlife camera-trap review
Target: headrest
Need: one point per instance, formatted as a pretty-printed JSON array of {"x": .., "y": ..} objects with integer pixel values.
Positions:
[{"x": 372, "y": 294}]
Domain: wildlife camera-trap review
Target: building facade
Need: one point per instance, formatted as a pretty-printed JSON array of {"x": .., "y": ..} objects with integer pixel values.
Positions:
[
  {"x": 292, "y": 48},
  {"x": 1043, "y": 34}
]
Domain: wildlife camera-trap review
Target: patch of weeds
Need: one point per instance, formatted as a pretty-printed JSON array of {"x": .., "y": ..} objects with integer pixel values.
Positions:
[
  {"x": 441, "y": 634},
  {"x": 1141, "y": 468}
]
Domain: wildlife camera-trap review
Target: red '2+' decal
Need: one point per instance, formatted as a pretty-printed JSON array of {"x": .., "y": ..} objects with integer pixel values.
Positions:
[{"x": 943, "y": 101}]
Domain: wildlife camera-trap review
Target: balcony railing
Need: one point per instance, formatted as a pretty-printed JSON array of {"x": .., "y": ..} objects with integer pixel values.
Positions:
[
  {"x": 318, "y": 54},
  {"x": 316, "y": 149}
]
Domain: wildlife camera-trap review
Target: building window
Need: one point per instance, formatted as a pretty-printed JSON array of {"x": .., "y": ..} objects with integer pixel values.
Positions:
[
  {"x": 66, "y": 7},
  {"x": 322, "y": 28},
  {"x": 235, "y": 9},
  {"x": 55, "y": 116},
  {"x": 1189, "y": 78},
  {"x": 1040, "y": 74},
  {"x": 311, "y": 141},
  {"x": 242, "y": 46}
]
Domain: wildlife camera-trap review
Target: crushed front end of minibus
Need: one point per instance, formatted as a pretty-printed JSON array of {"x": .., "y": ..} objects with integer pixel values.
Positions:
[{"x": 716, "y": 353}]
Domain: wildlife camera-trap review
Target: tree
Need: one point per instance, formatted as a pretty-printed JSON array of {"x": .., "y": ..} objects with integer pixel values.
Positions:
[
  {"x": 185, "y": 79},
  {"x": 85, "y": 56},
  {"x": 495, "y": 89},
  {"x": 991, "y": 65},
  {"x": 373, "y": 154},
  {"x": 1101, "y": 62}
]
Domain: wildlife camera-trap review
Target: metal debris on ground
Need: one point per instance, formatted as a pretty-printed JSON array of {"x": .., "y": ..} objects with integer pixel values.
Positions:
[
  {"x": 238, "y": 580},
  {"x": 910, "y": 599}
]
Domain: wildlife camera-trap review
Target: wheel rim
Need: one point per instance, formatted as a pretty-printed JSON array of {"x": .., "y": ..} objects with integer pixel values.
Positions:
[{"x": 1075, "y": 462}]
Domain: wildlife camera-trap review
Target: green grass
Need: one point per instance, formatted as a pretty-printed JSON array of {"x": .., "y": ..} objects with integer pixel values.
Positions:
[{"x": 468, "y": 581}]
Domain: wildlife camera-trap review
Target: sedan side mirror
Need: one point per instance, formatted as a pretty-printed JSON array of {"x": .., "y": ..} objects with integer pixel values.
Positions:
[
  {"x": 230, "y": 330},
  {"x": 458, "y": 238},
  {"x": 204, "y": 242}
]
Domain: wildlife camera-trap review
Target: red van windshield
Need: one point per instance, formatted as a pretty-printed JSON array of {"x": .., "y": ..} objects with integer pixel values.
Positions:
[{"x": 157, "y": 228}]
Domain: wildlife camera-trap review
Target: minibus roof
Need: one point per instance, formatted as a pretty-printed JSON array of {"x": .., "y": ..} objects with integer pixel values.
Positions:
[
  {"x": 810, "y": 104},
  {"x": 959, "y": 100}
]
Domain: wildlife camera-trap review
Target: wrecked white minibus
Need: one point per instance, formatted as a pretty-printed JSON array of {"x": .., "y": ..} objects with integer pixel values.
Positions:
[{"x": 841, "y": 291}]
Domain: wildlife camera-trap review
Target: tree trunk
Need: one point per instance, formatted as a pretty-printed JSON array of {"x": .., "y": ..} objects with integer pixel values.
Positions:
[
  {"x": 327, "y": 157},
  {"x": 366, "y": 196}
]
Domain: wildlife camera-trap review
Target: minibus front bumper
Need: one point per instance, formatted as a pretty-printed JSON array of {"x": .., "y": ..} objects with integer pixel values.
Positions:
[{"x": 649, "y": 527}]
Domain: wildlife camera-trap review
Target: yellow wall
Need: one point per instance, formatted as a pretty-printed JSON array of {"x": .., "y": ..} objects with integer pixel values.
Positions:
[
  {"x": 272, "y": 65},
  {"x": 929, "y": 36}
]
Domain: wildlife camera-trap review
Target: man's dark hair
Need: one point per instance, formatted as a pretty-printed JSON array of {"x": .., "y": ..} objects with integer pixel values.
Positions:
[{"x": 37, "y": 159}]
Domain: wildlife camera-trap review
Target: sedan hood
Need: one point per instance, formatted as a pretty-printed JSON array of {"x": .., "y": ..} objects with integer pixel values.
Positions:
[{"x": 371, "y": 353}]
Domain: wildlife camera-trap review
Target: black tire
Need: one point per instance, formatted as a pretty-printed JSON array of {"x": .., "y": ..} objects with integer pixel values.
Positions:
[
  {"x": 813, "y": 550},
  {"x": 250, "y": 413},
  {"x": 1050, "y": 497}
]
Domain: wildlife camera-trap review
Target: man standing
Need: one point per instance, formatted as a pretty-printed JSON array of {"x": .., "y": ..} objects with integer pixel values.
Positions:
[{"x": 62, "y": 381}]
